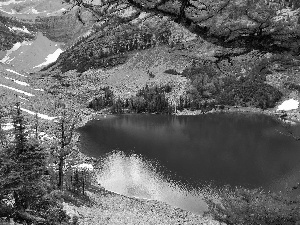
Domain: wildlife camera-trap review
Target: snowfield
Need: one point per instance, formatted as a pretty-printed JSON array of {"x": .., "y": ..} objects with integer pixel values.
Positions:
[
  {"x": 287, "y": 105},
  {"x": 42, "y": 116},
  {"x": 24, "y": 29},
  {"x": 16, "y": 46},
  {"x": 7, "y": 126},
  {"x": 17, "y": 81},
  {"x": 50, "y": 58},
  {"x": 84, "y": 166},
  {"x": 12, "y": 71},
  {"x": 17, "y": 90}
]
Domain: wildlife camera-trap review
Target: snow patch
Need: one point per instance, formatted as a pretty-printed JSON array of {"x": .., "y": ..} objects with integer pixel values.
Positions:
[
  {"x": 10, "y": 60},
  {"x": 7, "y": 126},
  {"x": 24, "y": 29},
  {"x": 16, "y": 46},
  {"x": 11, "y": 13},
  {"x": 17, "y": 90},
  {"x": 45, "y": 137},
  {"x": 12, "y": 71},
  {"x": 11, "y": 2},
  {"x": 42, "y": 116},
  {"x": 23, "y": 98},
  {"x": 51, "y": 58},
  {"x": 38, "y": 89},
  {"x": 84, "y": 166},
  {"x": 288, "y": 105},
  {"x": 34, "y": 11},
  {"x": 17, "y": 81}
]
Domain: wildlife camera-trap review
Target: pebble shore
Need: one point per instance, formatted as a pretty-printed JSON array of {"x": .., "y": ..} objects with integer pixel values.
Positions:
[{"x": 112, "y": 208}]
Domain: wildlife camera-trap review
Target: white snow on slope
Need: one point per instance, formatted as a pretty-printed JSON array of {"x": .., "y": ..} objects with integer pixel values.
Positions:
[
  {"x": 17, "y": 90},
  {"x": 23, "y": 98},
  {"x": 14, "y": 48},
  {"x": 12, "y": 71},
  {"x": 24, "y": 29},
  {"x": 43, "y": 116},
  {"x": 17, "y": 81},
  {"x": 51, "y": 58},
  {"x": 11, "y": 13},
  {"x": 84, "y": 166},
  {"x": 288, "y": 105},
  {"x": 7, "y": 126},
  {"x": 38, "y": 89},
  {"x": 11, "y": 2}
]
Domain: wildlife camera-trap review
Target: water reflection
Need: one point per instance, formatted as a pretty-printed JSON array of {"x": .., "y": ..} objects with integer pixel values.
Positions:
[
  {"x": 134, "y": 176},
  {"x": 170, "y": 158}
]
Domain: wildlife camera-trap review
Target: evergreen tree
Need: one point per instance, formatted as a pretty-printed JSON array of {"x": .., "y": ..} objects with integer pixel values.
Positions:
[
  {"x": 22, "y": 167},
  {"x": 64, "y": 131}
]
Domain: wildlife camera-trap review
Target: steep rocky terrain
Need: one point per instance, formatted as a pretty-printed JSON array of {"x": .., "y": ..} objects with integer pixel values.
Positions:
[
  {"x": 65, "y": 27},
  {"x": 30, "y": 55},
  {"x": 13, "y": 31},
  {"x": 29, "y": 9},
  {"x": 48, "y": 33}
]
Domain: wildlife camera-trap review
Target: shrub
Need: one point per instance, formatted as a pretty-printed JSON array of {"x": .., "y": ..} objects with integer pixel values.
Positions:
[
  {"x": 254, "y": 207},
  {"x": 248, "y": 92},
  {"x": 151, "y": 100},
  {"x": 103, "y": 101}
]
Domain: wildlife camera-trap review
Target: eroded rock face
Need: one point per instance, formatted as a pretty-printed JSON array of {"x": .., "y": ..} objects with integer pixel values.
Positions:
[
  {"x": 8, "y": 36},
  {"x": 66, "y": 27}
]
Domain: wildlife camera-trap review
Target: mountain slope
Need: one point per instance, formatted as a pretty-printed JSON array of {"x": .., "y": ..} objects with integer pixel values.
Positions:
[
  {"x": 28, "y": 56},
  {"x": 30, "y": 9}
]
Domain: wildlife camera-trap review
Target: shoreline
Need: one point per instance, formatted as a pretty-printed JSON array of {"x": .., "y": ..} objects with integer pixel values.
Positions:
[
  {"x": 291, "y": 117},
  {"x": 155, "y": 205},
  {"x": 112, "y": 208}
]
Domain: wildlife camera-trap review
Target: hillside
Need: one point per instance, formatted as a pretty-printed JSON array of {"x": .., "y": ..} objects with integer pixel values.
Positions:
[
  {"x": 30, "y": 55},
  {"x": 159, "y": 57},
  {"x": 29, "y": 9}
]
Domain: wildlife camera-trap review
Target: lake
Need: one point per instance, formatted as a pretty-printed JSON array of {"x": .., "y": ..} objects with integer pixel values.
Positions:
[{"x": 175, "y": 159}]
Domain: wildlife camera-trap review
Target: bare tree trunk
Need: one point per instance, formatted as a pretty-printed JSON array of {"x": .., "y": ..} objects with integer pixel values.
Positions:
[
  {"x": 83, "y": 179},
  {"x": 61, "y": 158},
  {"x": 60, "y": 173}
]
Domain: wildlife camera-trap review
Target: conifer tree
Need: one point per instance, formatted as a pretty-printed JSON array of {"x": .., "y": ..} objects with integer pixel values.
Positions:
[
  {"x": 22, "y": 167},
  {"x": 64, "y": 131}
]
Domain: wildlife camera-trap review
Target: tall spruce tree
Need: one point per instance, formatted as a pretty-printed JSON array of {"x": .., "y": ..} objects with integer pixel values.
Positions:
[{"x": 22, "y": 166}]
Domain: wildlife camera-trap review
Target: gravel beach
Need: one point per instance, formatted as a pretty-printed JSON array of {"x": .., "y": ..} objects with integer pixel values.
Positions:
[{"x": 111, "y": 208}]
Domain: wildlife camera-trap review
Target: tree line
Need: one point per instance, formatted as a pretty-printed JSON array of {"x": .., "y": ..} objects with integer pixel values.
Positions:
[
  {"x": 147, "y": 100},
  {"x": 205, "y": 92}
]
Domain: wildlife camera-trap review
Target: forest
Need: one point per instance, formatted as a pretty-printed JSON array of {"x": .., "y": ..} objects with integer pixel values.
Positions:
[{"x": 36, "y": 175}]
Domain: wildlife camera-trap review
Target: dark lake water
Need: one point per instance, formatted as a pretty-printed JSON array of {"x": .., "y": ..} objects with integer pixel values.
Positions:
[{"x": 173, "y": 158}]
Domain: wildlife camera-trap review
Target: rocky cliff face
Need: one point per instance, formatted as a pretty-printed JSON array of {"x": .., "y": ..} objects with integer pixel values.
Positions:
[
  {"x": 27, "y": 42},
  {"x": 106, "y": 49},
  {"x": 9, "y": 34},
  {"x": 52, "y": 18},
  {"x": 65, "y": 28},
  {"x": 30, "y": 9}
]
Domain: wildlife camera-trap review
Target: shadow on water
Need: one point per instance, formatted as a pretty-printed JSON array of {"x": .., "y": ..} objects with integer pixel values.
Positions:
[{"x": 170, "y": 158}]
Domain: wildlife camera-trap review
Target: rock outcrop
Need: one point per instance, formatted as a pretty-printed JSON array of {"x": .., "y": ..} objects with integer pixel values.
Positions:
[{"x": 66, "y": 27}]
